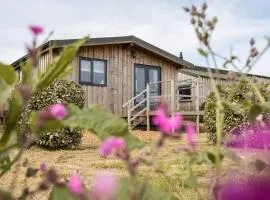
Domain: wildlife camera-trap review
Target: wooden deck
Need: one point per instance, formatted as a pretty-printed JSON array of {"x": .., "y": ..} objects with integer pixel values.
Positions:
[{"x": 185, "y": 113}]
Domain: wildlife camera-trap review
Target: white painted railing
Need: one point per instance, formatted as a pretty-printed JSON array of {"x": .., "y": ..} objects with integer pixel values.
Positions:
[{"x": 169, "y": 91}]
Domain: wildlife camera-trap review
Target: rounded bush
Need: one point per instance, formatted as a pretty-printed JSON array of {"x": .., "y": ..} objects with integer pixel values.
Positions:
[
  {"x": 243, "y": 94},
  {"x": 60, "y": 91},
  {"x": 209, "y": 117}
]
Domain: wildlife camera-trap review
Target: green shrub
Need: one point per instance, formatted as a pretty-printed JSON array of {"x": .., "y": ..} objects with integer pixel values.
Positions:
[
  {"x": 60, "y": 91},
  {"x": 209, "y": 119},
  {"x": 239, "y": 95}
]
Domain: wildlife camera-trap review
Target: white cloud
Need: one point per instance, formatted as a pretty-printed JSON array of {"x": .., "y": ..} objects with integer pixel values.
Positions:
[{"x": 160, "y": 22}]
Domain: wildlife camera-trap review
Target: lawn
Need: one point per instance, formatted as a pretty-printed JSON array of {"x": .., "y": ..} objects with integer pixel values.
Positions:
[{"x": 87, "y": 162}]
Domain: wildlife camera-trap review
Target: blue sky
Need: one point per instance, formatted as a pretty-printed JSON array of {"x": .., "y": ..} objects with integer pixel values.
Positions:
[{"x": 162, "y": 23}]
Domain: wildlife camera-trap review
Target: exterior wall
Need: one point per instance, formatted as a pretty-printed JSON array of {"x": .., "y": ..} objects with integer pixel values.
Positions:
[
  {"x": 205, "y": 88},
  {"x": 120, "y": 75},
  {"x": 45, "y": 59}
]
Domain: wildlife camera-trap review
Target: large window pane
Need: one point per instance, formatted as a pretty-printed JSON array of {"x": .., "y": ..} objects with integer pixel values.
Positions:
[
  {"x": 153, "y": 77},
  {"x": 98, "y": 72},
  {"x": 85, "y": 73},
  {"x": 140, "y": 82}
]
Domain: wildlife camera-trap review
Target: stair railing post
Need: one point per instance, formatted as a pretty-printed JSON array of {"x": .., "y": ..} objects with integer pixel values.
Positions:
[
  {"x": 197, "y": 106},
  {"x": 148, "y": 106},
  {"x": 172, "y": 100},
  {"x": 129, "y": 116}
]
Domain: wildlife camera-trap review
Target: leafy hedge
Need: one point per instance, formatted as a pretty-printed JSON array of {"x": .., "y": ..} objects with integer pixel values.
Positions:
[
  {"x": 60, "y": 91},
  {"x": 237, "y": 100}
]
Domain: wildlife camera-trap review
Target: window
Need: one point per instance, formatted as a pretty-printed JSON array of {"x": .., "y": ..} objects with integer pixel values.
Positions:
[
  {"x": 93, "y": 72},
  {"x": 185, "y": 89}
]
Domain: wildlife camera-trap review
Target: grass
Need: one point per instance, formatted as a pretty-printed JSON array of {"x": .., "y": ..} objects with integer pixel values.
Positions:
[{"x": 87, "y": 162}]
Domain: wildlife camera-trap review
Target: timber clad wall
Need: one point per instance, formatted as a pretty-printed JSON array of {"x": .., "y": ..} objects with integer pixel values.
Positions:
[
  {"x": 120, "y": 60},
  {"x": 206, "y": 88},
  {"x": 120, "y": 73}
]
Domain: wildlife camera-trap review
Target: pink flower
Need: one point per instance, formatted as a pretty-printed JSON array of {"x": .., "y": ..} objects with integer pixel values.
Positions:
[
  {"x": 43, "y": 167},
  {"x": 167, "y": 125},
  {"x": 111, "y": 144},
  {"x": 251, "y": 189},
  {"x": 36, "y": 30},
  {"x": 191, "y": 135},
  {"x": 75, "y": 184},
  {"x": 104, "y": 187},
  {"x": 58, "y": 111},
  {"x": 251, "y": 137}
]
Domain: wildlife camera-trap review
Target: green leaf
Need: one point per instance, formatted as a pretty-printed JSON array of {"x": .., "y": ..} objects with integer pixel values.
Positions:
[
  {"x": 104, "y": 124},
  {"x": 132, "y": 142},
  {"x": 254, "y": 111},
  {"x": 26, "y": 72},
  {"x": 5, "y": 195},
  {"x": 212, "y": 157},
  {"x": 50, "y": 125},
  {"x": 191, "y": 182},
  {"x": 59, "y": 193},
  {"x": 60, "y": 67},
  {"x": 202, "y": 52},
  {"x": 5, "y": 163},
  {"x": 8, "y": 73},
  {"x": 144, "y": 191},
  {"x": 15, "y": 107},
  {"x": 5, "y": 91}
]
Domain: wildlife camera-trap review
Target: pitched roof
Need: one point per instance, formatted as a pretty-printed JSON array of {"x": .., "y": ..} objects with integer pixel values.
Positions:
[
  {"x": 116, "y": 40},
  {"x": 216, "y": 73}
]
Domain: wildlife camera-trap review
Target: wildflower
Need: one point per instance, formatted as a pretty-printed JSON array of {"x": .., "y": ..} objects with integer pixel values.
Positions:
[
  {"x": 36, "y": 30},
  {"x": 43, "y": 167},
  {"x": 58, "y": 111},
  {"x": 75, "y": 184},
  {"x": 165, "y": 124},
  {"x": 251, "y": 189},
  {"x": 191, "y": 135},
  {"x": 111, "y": 144},
  {"x": 251, "y": 137},
  {"x": 104, "y": 186}
]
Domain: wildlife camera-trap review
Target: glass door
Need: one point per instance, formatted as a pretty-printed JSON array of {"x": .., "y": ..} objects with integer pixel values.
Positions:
[{"x": 145, "y": 74}]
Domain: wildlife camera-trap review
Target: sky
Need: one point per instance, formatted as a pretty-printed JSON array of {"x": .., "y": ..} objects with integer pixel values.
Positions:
[{"x": 159, "y": 22}]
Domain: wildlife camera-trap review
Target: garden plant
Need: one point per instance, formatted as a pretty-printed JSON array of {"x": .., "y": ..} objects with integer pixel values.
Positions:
[{"x": 119, "y": 142}]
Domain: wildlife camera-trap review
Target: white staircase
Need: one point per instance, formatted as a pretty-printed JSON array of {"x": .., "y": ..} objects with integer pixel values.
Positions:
[{"x": 137, "y": 113}]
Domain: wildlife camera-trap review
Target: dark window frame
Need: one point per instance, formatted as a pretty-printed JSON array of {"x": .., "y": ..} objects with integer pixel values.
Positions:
[
  {"x": 136, "y": 65},
  {"x": 92, "y": 72},
  {"x": 186, "y": 86}
]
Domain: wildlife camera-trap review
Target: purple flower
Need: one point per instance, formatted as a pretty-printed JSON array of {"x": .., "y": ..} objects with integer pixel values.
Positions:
[
  {"x": 254, "y": 188},
  {"x": 191, "y": 135},
  {"x": 111, "y": 144},
  {"x": 104, "y": 187},
  {"x": 75, "y": 184},
  {"x": 43, "y": 167},
  {"x": 36, "y": 30},
  {"x": 165, "y": 124},
  {"x": 58, "y": 111},
  {"x": 252, "y": 137}
]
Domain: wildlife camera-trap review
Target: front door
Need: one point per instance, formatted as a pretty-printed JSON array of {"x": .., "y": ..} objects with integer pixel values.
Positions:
[{"x": 145, "y": 74}]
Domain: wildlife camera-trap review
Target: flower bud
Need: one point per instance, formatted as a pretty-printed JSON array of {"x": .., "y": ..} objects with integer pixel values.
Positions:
[
  {"x": 252, "y": 41},
  {"x": 254, "y": 52},
  {"x": 25, "y": 91},
  {"x": 31, "y": 172},
  {"x": 204, "y": 6}
]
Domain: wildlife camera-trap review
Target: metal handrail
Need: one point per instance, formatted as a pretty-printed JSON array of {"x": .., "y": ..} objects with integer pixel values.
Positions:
[
  {"x": 131, "y": 100},
  {"x": 137, "y": 105},
  {"x": 138, "y": 114}
]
